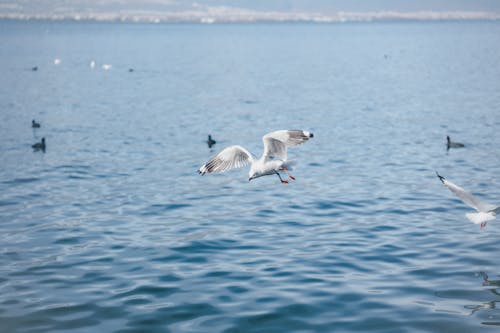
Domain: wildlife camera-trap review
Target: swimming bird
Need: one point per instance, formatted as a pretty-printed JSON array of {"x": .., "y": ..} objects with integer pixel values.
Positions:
[
  {"x": 487, "y": 281},
  {"x": 272, "y": 161},
  {"x": 210, "y": 141},
  {"x": 57, "y": 61},
  {"x": 485, "y": 211},
  {"x": 34, "y": 69},
  {"x": 451, "y": 144},
  {"x": 34, "y": 124},
  {"x": 39, "y": 145},
  {"x": 106, "y": 67}
]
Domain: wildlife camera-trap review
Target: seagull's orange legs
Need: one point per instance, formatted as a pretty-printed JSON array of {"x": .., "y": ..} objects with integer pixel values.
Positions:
[
  {"x": 282, "y": 181},
  {"x": 286, "y": 171}
]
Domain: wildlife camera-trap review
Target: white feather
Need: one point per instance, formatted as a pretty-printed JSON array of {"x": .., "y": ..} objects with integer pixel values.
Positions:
[
  {"x": 479, "y": 218},
  {"x": 276, "y": 143},
  {"x": 468, "y": 198},
  {"x": 229, "y": 158}
]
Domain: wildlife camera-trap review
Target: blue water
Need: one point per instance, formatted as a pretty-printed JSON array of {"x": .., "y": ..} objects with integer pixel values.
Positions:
[{"x": 112, "y": 230}]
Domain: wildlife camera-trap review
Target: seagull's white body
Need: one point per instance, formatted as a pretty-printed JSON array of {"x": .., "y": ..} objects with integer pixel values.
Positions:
[
  {"x": 485, "y": 211},
  {"x": 273, "y": 160}
]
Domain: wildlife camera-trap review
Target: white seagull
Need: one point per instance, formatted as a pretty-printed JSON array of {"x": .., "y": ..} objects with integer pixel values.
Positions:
[
  {"x": 486, "y": 212},
  {"x": 272, "y": 161}
]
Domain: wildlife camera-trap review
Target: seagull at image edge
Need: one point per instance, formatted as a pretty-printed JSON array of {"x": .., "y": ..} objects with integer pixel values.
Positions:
[{"x": 485, "y": 211}]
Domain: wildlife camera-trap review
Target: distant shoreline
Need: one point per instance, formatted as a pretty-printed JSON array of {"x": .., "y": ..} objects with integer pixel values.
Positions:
[{"x": 258, "y": 17}]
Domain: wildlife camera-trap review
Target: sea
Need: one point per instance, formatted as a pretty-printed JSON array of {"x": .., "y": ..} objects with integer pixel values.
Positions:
[{"x": 111, "y": 228}]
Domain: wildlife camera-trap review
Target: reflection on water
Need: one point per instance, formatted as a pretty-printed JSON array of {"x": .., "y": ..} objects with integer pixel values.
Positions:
[{"x": 485, "y": 300}]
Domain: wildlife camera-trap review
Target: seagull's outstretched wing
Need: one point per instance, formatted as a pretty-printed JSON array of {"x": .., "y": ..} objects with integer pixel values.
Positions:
[
  {"x": 466, "y": 197},
  {"x": 275, "y": 143},
  {"x": 229, "y": 158}
]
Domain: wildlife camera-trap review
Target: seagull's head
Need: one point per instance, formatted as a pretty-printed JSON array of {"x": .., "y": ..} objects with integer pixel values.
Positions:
[{"x": 253, "y": 174}]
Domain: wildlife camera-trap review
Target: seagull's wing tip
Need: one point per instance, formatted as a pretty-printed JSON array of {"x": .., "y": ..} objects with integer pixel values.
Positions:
[{"x": 441, "y": 178}]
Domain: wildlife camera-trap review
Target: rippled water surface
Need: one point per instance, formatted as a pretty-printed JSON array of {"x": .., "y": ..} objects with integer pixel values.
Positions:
[{"x": 112, "y": 230}]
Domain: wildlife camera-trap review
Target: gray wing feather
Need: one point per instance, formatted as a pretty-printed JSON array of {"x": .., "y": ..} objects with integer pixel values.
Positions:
[
  {"x": 274, "y": 149},
  {"x": 229, "y": 158},
  {"x": 468, "y": 198},
  {"x": 275, "y": 143}
]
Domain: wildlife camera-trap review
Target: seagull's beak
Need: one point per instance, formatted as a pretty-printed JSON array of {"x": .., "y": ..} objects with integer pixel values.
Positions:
[{"x": 249, "y": 179}]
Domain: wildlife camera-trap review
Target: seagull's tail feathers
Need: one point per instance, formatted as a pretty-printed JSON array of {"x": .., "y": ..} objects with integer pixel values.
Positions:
[{"x": 480, "y": 218}]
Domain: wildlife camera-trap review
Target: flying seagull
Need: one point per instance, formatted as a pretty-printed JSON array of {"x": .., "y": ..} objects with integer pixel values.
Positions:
[
  {"x": 486, "y": 211},
  {"x": 272, "y": 161}
]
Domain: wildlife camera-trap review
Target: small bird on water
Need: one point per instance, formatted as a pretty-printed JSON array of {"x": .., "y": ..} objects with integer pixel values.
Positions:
[
  {"x": 210, "y": 141},
  {"x": 272, "y": 161},
  {"x": 451, "y": 144},
  {"x": 34, "y": 124},
  {"x": 39, "y": 145}
]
